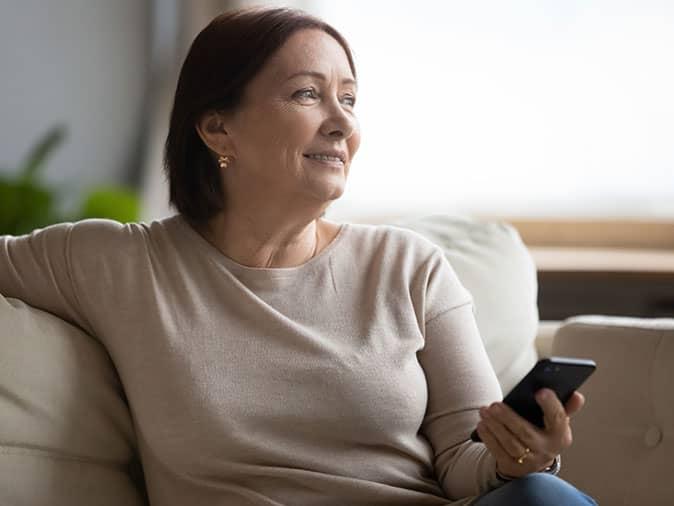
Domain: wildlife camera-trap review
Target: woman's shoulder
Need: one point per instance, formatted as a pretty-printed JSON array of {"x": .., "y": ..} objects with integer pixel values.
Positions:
[
  {"x": 394, "y": 237},
  {"x": 100, "y": 232},
  {"x": 103, "y": 234}
]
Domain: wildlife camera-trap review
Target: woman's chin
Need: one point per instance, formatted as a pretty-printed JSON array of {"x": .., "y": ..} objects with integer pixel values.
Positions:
[{"x": 327, "y": 189}]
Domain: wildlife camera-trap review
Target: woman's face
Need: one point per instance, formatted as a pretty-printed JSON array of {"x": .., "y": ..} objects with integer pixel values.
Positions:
[{"x": 295, "y": 112}]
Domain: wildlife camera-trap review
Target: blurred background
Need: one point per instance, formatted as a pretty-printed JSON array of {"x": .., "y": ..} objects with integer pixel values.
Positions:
[{"x": 557, "y": 117}]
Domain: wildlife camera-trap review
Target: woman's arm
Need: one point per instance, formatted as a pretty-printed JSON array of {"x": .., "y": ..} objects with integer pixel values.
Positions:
[
  {"x": 460, "y": 380},
  {"x": 38, "y": 269}
]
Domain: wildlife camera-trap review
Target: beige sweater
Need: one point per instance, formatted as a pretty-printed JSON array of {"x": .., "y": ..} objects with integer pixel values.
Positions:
[{"x": 353, "y": 379}]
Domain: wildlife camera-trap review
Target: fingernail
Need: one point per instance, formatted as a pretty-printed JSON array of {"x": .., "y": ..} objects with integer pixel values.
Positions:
[
  {"x": 484, "y": 413},
  {"x": 544, "y": 393}
]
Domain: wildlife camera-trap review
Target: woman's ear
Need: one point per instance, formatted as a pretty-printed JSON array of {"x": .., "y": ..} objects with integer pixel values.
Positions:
[{"x": 211, "y": 128}]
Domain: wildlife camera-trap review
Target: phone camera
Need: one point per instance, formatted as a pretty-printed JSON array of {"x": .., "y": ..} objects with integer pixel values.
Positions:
[{"x": 547, "y": 369}]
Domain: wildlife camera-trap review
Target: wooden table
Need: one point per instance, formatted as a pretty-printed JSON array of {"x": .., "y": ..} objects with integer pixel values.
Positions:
[{"x": 621, "y": 282}]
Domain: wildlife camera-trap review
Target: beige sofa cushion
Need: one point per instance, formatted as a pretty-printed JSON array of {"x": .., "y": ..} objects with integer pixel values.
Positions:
[
  {"x": 495, "y": 266},
  {"x": 66, "y": 435},
  {"x": 624, "y": 437}
]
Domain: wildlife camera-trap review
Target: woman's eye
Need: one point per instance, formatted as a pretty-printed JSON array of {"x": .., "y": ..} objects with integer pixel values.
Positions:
[
  {"x": 350, "y": 100},
  {"x": 311, "y": 93},
  {"x": 306, "y": 93}
]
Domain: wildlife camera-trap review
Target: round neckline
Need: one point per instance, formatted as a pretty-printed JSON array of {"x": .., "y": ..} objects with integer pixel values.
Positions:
[{"x": 217, "y": 255}]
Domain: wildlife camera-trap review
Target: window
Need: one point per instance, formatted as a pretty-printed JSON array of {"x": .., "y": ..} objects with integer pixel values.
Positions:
[{"x": 541, "y": 109}]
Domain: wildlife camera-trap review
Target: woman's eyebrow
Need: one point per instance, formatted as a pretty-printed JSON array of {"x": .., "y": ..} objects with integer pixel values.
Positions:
[{"x": 313, "y": 73}]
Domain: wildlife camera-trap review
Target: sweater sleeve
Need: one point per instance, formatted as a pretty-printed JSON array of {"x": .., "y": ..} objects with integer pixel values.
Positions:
[
  {"x": 36, "y": 268},
  {"x": 460, "y": 380},
  {"x": 61, "y": 268}
]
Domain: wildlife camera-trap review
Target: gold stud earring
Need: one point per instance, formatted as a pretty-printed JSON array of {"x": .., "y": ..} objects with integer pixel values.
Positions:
[{"x": 223, "y": 161}]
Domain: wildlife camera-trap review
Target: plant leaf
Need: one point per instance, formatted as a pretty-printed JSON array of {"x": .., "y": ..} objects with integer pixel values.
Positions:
[
  {"x": 41, "y": 151},
  {"x": 24, "y": 206},
  {"x": 115, "y": 203}
]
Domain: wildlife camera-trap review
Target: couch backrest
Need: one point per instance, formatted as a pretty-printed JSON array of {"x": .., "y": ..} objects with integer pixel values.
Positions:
[
  {"x": 495, "y": 266},
  {"x": 66, "y": 435}
]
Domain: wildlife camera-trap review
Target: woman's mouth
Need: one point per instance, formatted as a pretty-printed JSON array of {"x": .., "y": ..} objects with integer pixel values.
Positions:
[{"x": 326, "y": 159}]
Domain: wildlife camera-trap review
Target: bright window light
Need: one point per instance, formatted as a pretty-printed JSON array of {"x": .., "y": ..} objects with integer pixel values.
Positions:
[{"x": 540, "y": 108}]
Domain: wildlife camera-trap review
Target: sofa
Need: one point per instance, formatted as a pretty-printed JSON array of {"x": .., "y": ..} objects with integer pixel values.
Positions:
[{"x": 67, "y": 435}]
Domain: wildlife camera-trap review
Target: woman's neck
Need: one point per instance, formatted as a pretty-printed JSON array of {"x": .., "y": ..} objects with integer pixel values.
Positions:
[{"x": 263, "y": 244}]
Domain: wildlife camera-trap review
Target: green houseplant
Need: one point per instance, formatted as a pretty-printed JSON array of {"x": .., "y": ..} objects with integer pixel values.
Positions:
[{"x": 26, "y": 203}]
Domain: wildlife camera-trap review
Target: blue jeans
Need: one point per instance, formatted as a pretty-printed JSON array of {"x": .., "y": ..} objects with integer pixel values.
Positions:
[{"x": 537, "y": 489}]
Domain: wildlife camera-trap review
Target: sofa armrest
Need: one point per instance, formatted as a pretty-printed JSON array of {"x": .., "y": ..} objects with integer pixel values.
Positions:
[
  {"x": 544, "y": 336},
  {"x": 623, "y": 438}
]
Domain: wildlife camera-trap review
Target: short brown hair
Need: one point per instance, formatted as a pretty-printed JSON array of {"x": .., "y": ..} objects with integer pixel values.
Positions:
[{"x": 223, "y": 59}]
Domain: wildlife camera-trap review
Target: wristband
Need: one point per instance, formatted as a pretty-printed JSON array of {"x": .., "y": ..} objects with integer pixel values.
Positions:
[{"x": 554, "y": 468}]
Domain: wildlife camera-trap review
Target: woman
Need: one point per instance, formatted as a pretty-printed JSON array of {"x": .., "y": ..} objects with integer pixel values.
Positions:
[{"x": 271, "y": 356}]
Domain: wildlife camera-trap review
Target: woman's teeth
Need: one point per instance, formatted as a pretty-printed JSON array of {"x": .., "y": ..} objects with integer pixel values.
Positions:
[{"x": 325, "y": 158}]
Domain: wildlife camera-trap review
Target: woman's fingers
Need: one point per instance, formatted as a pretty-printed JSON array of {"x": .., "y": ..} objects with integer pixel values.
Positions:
[
  {"x": 508, "y": 435},
  {"x": 575, "y": 403},
  {"x": 494, "y": 446},
  {"x": 554, "y": 415},
  {"x": 557, "y": 426},
  {"x": 507, "y": 440},
  {"x": 505, "y": 463},
  {"x": 524, "y": 431}
]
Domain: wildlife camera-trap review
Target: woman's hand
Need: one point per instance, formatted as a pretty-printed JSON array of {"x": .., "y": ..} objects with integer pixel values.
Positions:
[{"x": 520, "y": 447}]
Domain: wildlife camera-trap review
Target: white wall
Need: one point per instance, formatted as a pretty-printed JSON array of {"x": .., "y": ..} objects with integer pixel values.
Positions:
[{"x": 81, "y": 62}]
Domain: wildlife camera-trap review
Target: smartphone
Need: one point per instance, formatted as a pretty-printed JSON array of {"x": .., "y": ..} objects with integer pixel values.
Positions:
[{"x": 564, "y": 375}]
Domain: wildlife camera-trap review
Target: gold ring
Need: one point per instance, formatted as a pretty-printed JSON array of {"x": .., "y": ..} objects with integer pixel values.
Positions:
[{"x": 520, "y": 459}]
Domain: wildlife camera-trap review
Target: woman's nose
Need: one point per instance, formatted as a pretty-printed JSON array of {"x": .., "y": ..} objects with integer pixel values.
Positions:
[{"x": 339, "y": 124}]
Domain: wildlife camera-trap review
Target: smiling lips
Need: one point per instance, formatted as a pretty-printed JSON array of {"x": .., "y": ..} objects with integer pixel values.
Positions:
[{"x": 327, "y": 157}]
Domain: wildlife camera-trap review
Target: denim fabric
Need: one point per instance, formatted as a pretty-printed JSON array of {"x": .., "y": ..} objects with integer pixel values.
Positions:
[{"x": 537, "y": 489}]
